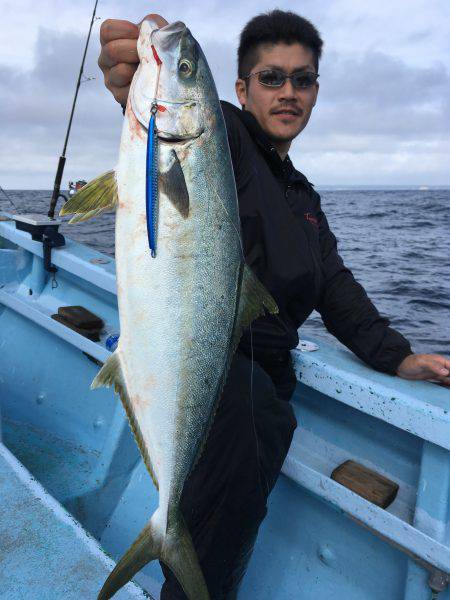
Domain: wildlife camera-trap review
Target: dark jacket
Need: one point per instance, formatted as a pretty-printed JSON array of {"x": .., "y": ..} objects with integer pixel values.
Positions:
[{"x": 290, "y": 247}]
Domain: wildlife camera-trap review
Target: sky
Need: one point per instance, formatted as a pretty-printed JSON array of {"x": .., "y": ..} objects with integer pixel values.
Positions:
[{"x": 382, "y": 116}]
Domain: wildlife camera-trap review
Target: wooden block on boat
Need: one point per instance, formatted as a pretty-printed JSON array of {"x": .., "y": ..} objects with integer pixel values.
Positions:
[
  {"x": 92, "y": 334},
  {"x": 80, "y": 317},
  {"x": 367, "y": 483}
]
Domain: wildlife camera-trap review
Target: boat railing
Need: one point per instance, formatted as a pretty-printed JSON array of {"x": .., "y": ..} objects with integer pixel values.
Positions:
[{"x": 416, "y": 523}]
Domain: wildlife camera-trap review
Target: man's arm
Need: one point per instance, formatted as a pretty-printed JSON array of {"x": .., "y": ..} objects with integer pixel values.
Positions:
[
  {"x": 351, "y": 317},
  {"x": 118, "y": 57}
]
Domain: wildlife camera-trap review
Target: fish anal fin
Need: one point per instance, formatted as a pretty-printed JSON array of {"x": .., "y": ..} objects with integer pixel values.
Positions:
[
  {"x": 173, "y": 184},
  {"x": 95, "y": 197},
  {"x": 111, "y": 374}
]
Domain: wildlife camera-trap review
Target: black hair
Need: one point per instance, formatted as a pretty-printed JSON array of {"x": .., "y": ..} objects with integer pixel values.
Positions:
[{"x": 274, "y": 27}]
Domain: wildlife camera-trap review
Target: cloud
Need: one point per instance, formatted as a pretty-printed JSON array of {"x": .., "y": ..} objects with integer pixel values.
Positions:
[
  {"x": 378, "y": 118},
  {"x": 382, "y": 97},
  {"x": 36, "y": 107},
  {"x": 381, "y": 115}
]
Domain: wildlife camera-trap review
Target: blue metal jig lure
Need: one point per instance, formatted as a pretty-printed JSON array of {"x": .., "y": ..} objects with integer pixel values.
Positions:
[{"x": 151, "y": 192}]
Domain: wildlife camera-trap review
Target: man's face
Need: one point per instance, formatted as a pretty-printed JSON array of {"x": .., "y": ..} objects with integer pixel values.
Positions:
[{"x": 282, "y": 112}]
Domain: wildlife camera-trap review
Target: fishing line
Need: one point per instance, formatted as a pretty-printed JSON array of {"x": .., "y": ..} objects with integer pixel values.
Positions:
[
  {"x": 231, "y": 221},
  {"x": 252, "y": 406},
  {"x": 251, "y": 372},
  {"x": 9, "y": 199}
]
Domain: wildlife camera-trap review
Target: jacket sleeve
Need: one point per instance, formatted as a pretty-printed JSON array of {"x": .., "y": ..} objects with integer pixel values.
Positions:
[{"x": 349, "y": 314}]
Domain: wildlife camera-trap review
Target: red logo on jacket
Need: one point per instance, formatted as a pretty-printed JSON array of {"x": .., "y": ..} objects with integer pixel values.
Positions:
[{"x": 311, "y": 218}]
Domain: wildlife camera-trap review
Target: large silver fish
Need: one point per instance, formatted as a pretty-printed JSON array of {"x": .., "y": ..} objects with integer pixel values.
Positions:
[{"x": 181, "y": 312}]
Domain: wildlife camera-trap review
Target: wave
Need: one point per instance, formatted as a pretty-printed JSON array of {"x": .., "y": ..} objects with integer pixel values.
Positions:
[{"x": 430, "y": 303}]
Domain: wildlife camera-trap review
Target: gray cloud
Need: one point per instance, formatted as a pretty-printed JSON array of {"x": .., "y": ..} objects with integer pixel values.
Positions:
[
  {"x": 377, "y": 114},
  {"x": 36, "y": 106}
]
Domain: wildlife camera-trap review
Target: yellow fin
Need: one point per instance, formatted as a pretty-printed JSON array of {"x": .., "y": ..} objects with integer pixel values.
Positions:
[
  {"x": 111, "y": 374},
  {"x": 254, "y": 301},
  {"x": 172, "y": 543},
  {"x": 98, "y": 195}
]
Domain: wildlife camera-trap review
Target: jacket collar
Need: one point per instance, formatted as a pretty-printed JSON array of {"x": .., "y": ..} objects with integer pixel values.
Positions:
[{"x": 282, "y": 169}]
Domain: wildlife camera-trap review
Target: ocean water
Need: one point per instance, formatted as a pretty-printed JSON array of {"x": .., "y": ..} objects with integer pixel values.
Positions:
[{"x": 395, "y": 241}]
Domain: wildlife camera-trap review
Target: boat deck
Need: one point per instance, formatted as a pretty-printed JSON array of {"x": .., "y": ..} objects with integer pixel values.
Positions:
[
  {"x": 46, "y": 554},
  {"x": 60, "y": 466}
]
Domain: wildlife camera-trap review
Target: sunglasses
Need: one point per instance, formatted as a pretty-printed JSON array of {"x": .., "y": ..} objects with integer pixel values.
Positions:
[{"x": 301, "y": 80}]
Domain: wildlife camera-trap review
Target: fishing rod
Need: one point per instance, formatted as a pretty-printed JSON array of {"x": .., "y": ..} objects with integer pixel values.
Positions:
[
  {"x": 8, "y": 198},
  {"x": 62, "y": 159}
]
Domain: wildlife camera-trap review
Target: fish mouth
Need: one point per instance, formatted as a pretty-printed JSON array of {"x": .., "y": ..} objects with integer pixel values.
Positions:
[
  {"x": 178, "y": 139},
  {"x": 169, "y": 35}
]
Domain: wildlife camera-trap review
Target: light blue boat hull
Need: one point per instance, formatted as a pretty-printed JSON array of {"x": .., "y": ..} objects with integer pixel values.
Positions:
[{"x": 319, "y": 541}]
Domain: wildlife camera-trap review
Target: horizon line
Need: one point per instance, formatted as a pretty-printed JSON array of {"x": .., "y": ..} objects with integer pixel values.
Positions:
[{"x": 417, "y": 186}]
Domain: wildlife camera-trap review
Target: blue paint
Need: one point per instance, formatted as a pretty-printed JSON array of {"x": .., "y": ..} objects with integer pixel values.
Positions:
[
  {"x": 49, "y": 554},
  {"x": 151, "y": 190},
  {"x": 78, "y": 444}
]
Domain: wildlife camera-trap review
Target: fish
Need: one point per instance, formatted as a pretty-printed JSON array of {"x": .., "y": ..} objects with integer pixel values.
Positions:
[{"x": 185, "y": 293}]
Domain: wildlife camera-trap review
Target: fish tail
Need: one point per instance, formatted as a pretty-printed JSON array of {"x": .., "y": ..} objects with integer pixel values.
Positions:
[
  {"x": 173, "y": 545},
  {"x": 180, "y": 556},
  {"x": 146, "y": 547}
]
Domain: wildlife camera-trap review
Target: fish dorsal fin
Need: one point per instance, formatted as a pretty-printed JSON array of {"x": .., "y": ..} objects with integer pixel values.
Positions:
[
  {"x": 254, "y": 301},
  {"x": 98, "y": 195},
  {"x": 111, "y": 374}
]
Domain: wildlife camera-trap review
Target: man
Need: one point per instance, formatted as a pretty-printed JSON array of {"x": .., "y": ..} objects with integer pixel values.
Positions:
[{"x": 288, "y": 244}]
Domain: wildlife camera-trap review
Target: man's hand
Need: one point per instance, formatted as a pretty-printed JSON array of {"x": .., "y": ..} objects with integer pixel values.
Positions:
[
  {"x": 119, "y": 58},
  {"x": 425, "y": 366}
]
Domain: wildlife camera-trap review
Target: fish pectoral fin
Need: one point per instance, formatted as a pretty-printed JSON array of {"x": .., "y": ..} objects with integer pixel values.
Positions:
[
  {"x": 111, "y": 374},
  {"x": 254, "y": 301},
  {"x": 172, "y": 183},
  {"x": 95, "y": 197}
]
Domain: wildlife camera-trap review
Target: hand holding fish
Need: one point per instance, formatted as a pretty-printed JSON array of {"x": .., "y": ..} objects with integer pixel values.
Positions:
[
  {"x": 425, "y": 366},
  {"x": 118, "y": 57}
]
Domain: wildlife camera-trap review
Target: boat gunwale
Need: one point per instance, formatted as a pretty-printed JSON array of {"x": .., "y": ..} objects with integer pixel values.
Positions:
[{"x": 418, "y": 407}]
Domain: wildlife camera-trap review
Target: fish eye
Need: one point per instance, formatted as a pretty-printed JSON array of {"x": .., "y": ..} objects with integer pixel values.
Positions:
[{"x": 185, "y": 67}]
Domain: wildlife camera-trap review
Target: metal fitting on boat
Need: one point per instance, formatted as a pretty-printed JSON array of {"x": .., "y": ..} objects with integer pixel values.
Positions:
[
  {"x": 98, "y": 423},
  {"x": 438, "y": 580},
  {"x": 326, "y": 555}
]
